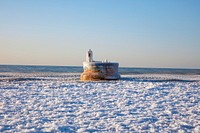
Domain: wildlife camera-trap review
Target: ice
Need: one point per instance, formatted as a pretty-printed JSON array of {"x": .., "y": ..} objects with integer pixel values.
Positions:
[{"x": 59, "y": 102}]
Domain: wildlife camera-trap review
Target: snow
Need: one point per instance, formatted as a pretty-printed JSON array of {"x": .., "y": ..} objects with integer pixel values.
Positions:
[{"x": 59, "y": 102}]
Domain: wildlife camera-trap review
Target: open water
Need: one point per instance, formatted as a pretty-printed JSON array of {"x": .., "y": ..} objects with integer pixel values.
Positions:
[{"x": 79, "y": 69}]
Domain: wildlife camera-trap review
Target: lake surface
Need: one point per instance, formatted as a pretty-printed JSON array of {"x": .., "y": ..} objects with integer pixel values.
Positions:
[{"x": 79, "y": 69}]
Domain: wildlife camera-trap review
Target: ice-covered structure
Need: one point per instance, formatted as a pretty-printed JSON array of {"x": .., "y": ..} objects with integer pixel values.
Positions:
[{"x": 98, "y": 70}]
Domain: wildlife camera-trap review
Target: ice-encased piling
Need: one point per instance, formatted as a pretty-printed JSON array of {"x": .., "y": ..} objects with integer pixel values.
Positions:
[{"x": 97, "y": 70}]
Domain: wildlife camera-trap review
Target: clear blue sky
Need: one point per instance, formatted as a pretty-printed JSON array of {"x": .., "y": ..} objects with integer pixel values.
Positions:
[{"x": 135, "y": 33}]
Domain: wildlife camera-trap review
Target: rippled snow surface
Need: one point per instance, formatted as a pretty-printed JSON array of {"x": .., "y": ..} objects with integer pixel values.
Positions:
[{"x": 58, "y": 102}]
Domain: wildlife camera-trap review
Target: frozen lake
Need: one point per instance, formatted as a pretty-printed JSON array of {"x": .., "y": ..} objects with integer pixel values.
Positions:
[{"x": 59, "y": 102}]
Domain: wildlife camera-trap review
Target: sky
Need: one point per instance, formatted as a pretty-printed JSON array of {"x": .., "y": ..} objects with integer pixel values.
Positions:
[{"x": 135, "y": 33}]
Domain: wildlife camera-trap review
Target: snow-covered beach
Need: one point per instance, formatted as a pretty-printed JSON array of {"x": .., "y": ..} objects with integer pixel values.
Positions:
[{"x": 59, "y": 102}]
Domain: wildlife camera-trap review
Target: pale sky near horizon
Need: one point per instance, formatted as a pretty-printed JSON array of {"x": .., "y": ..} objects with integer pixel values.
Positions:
[{"x": 135, "y": 33}]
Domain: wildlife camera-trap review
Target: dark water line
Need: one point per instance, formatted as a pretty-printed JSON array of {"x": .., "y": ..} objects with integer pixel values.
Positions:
[{"x": 79, "y": 69}]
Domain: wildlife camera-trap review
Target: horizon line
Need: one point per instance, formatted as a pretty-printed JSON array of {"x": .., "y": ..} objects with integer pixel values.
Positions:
[{"x": 140, "y": 67}]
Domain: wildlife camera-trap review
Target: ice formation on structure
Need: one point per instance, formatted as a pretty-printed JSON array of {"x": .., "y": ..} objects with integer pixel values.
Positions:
[{"x": 97, "y": 70}]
